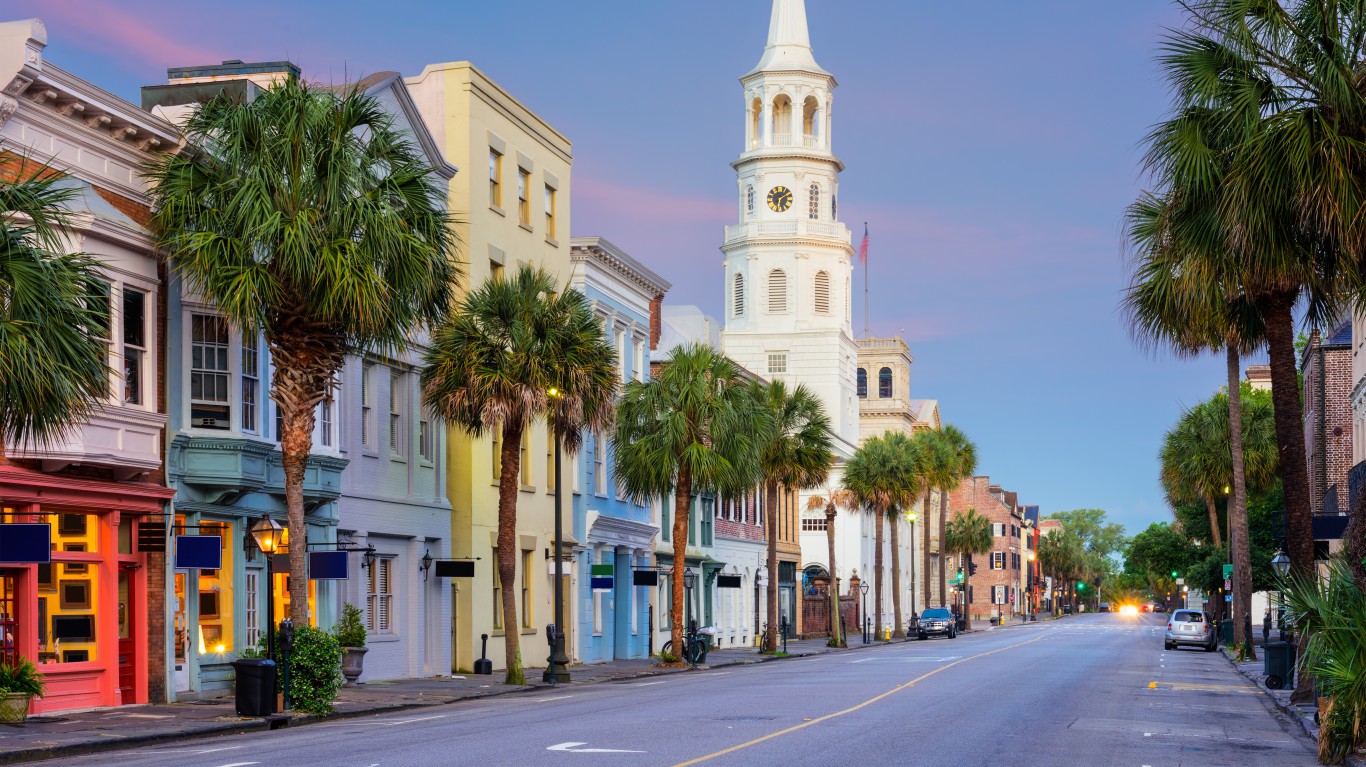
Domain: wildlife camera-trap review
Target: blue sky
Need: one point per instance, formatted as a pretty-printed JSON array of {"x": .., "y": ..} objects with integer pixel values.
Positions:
[{"x": 990, "y": 146}]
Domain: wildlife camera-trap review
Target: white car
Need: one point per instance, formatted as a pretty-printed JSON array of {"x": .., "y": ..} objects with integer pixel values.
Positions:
[{"x": 1191, "y": 627}]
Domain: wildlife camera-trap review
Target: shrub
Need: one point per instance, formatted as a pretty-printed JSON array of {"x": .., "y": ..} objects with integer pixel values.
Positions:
[
  {"x": 23, "y": 677},
  {"x": 668, "y": 657},
  {"x": 314, "y": 670},
  {"x": 350, "y": 630}
]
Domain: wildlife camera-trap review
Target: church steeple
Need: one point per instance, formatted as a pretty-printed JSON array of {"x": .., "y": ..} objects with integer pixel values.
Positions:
[{"x": 789, "y": 40}]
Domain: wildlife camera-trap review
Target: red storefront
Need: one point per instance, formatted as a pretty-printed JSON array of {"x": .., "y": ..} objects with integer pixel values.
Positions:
[{"x": 84, "y": 616}]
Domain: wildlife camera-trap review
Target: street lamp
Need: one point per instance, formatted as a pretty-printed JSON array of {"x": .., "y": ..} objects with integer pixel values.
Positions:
[
  {"x": 915, "y": 619},
  {"x": 863, "y": 589},
  {"x": 1281, "y": 564},
  {"x": 269, "y": 537},
  {"x": 558, "y": 668}
]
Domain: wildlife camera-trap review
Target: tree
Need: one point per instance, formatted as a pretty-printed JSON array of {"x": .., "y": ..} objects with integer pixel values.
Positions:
[
  {"x": 964, "y": 466},
  {"x": 834, "y": 500},
  {"x": 308, "y": 215},
  {"x": 797, "y": 455},
  {"x": 882, "y": 475},
  {"x": 694, "y": 427},
  {"x": 938, "y": 467},
  {"x": 1097, "y": 533},
  {"x": 968, "y": 535},
  {"x": 517, "y": 350},
  {"x": 1196, "y": 463},
  {"x": 53, "y": 318}
]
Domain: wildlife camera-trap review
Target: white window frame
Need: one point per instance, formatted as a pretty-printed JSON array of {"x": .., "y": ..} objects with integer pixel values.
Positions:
[
  {"x": 378, "y": 598},
  {"x": 777, "y": 363},
  {"x": 251, "y": 382},
  {"x": 227, "y": 373},
  {"x": 129, "y": 351},
  {"x": 252, "y": 636},
  {"x": 495, "y": 179},
  {"x": 367, "y": 408},
  {"x": 398, "y": 413},
  {"x": 524, "y": 197}
]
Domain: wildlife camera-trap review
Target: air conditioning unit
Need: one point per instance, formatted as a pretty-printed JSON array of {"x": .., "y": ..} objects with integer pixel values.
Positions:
[{"x": 208, "y": 423}]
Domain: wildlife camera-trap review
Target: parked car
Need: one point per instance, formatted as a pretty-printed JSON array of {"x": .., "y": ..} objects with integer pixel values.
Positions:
[
  {"x": 1191, "y": 627},
  {"x": 1104, "y": 607},
  {"x": 1146, "y": 607},
  {"x": 937, "y": 621}
]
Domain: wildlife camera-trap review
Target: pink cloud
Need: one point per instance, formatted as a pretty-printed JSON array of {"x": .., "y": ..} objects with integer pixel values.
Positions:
[
  {"x": 108, "y": 29},
  {"x": 637, "y": 202}
]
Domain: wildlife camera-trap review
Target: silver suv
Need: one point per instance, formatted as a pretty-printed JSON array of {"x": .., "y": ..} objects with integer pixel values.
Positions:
[{"x": 1191, "y": 627}]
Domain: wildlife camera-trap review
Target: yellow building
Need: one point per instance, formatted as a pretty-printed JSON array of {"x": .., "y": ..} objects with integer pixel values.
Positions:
[{"x": 512, "y": 195}]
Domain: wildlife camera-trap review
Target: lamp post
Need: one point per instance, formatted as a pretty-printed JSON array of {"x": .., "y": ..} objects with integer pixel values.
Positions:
[
  {"x": 558, "y": 668},
  {"x": 269, "y": 535},
  {"x": 863, "y": 589},
  {"x": 915, "y": 619},
  {"x": 1281, "y": 564}
]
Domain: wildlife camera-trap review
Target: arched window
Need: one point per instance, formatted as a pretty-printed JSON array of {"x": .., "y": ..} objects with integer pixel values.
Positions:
[
  {"x": 777, "y": 291},
  {"x": 884, "y": 383},
  {"x": 815, "y": 207},
  {"x": 822, "y": 293},
  {"x": 756, "y": 122},
  {"x": 810, "y": 120},
  {"x": 782, "y": 120},
  {"x": 738, "y": 302},
  {"x": 862, "y": 383},
  {"x": 749, "y": 200}
]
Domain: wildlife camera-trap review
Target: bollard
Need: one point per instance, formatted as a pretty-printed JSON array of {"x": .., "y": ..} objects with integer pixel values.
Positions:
[{"x": 483, "y": 665}]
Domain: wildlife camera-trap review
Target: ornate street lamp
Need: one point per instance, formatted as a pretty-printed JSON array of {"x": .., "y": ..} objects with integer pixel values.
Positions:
[
  {"x": 863, "y": 589},
  {"x": 1281, "y": 564},
  {"x": 915, "y": 619},
  {"x": 269, "y": 537},
  {"x": 557, "y": 670}
]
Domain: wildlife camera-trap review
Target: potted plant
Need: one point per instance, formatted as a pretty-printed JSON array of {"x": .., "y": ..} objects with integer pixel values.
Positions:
[
  {"x": 350, "y": 631},
  {"x": 19, "y": 683}
]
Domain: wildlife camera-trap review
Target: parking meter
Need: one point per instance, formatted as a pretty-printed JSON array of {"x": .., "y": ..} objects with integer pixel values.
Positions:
[{"x": 552, "y": 636}]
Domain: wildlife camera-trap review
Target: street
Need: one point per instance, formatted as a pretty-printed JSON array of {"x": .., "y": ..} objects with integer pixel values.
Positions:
[{"x": 1077, "y": 692}]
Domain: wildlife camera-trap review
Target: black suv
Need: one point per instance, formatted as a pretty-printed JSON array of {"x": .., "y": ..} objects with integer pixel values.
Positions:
[{"x": 937, "y": 621}]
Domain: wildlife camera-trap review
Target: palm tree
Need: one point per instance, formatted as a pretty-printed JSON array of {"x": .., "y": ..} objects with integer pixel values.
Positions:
[
  {"x": 937, "y": 466},
  {"x": 305, "y": 213},
  {"x": 693, "y": 427},
  {"x": 968, "y": 535},
  {"x": 834, "y": 500},
  {"x": 517, "y": 350},
  {"x": 1196, "y": 463},
  {"x": 882, "y": 476},
  {"x": 964, "y": 453},
  {"x": 53, "y": 372},
  {"x": 797, "y": 456}
]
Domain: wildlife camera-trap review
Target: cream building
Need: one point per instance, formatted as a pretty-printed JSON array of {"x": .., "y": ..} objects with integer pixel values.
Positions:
[{"x": 513, "y": 198}]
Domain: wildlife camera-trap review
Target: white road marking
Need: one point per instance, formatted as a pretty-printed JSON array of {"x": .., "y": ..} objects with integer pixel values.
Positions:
[
  {"x": 647, "y": 684},
  {"x": 569, "y": 747},
  {"x": 551, "y": 700},
  {"x": 193, "y": 750},
  {"x": 239, "y": 764},
  {"x": 393, "y": 723}
]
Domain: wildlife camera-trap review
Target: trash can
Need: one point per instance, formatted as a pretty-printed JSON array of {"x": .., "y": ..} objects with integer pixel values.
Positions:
[
  {"x": 1226, "y": 631},
  {"x": 255, "y": 686},
  {"x": 1278, "y": 663}
]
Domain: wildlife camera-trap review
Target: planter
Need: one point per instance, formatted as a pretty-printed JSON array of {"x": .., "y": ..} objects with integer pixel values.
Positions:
[
  {"x": 353, "y": 663},
  {"x": 14, "y": 707}
]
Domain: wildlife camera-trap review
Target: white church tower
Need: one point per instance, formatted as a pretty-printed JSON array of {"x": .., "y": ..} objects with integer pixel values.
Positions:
[{"x": 789, "y": 259}]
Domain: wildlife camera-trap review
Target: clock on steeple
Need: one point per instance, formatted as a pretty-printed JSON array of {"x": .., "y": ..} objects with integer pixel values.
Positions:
[{"x": 780, "y": 199}]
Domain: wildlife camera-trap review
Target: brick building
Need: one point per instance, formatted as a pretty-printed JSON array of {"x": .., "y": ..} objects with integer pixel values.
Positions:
[
  {"x": 995, "y": 589},
  {"x": 1327, "y": 367}
]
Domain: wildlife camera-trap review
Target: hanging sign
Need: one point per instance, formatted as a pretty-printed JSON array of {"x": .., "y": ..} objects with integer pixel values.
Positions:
[
  {"x": 645, "y": 578},
  {"x": 728, "y": 582},
  {"x": 454, "y": 569},
  {"x": 152, "y": 537},
  {"x": 328, "y": 566},
  {"x": 601, "y": 577},
  {"x": 26, "y": 542},
  {"x": 198, "y": 552}
]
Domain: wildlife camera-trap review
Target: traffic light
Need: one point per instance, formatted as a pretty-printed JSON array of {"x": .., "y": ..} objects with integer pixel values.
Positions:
[
  {"x": 1081, "y": 586},
  {"x": 1176, "y": 574},
  {"x": 972, "y": 569}
]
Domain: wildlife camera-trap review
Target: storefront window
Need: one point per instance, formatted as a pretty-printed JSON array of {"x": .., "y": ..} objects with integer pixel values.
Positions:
[
  {"x": 68, "y": 591},
  {"x": 282, "y": 599},
  {"x": 214, "y": 599}
]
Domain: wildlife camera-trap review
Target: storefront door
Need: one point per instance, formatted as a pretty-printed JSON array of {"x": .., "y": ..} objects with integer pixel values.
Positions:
[
  {"x": 9, "y": 621},
  {"x": 127, "y": 644}
]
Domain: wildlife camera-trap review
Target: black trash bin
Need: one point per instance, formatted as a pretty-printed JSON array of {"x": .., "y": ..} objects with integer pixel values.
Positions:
[
  {"x": 1278, "y": 663},
  {"x": 1226, "y": 632},
  {"x": 255, "y": 686}
]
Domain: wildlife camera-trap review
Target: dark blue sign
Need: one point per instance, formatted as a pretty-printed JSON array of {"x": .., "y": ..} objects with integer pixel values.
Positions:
[
  {"x": 198, "y": 552},
  {"x": 328, "y": 566},
  {"x": 602, "y": 584},
  {"x": 645, "y": 578},
  {"x": 26, "y": 542}
]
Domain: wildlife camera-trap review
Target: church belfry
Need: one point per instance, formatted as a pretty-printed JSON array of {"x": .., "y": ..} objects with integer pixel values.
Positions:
[{"x": 788, "y": 259}]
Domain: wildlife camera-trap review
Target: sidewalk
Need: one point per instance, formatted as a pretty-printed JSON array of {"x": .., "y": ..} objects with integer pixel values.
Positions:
[{"x": 70, "y": 733}]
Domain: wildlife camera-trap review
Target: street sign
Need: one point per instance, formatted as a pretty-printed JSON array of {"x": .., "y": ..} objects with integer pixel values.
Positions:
[
  {"x": 1180, "y": 581},
  {"x": 1228, "y": 571},
  {"x": 198, "y": 552},
  {"x": 152, "y": 537},
  {"x": 1228, "y": 597},
  {"x": 1228, "y": 585},
  {"x": 645, "y": 578},
  {"x": 446, "y": 568}
]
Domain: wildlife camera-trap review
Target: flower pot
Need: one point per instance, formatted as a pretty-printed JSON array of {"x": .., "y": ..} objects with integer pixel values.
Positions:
[
  {"x": 14, "y": 707},
  {"x": 353, "y": 663}
]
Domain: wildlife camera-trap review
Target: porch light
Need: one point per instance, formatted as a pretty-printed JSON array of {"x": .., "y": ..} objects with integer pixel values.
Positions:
[
  {"x": 1281, "y": 563},
  {"x": 268, "y": 534},
  {"x": 426, "y": 564}
]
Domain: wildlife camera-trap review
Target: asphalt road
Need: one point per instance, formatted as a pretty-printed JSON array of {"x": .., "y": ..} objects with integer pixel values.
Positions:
[{"x": 1073, "y": 693}]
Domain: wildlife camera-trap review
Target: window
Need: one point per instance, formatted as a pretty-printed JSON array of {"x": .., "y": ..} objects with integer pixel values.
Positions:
[
  {"x": 497, "y": 452},
  {"x": 209, "y": 408},
  {"x": 998, "y": 529},
  {"x": 495, "y": 270},
  {"x": 524, "y": 458},
  {"x": 600, "y": 467},
  {"x": 814, "y": 524},
  {"x": 495, "y": 178},
  {"x": 523, "y": 203},
  {"x": 822, "y": 293},
  {"x": 706, "y": 520},
  {"x": 666, "y": 601},
  {"x": 397, "y": 395},
  {"x": 527, "y": 563},
  {"x": 998, "y": 560},
  {"x": 134, "y": 344},
  {"x": 251, "y": 382},
  {"x": 749, "y": 200},
  {"x": 98, "y": 303},
  {"x": 550, "y": 478},
  {"x": 884, "y": 383},
  {"x": 253, "y": 636},
  {"x": 834, "y": 207},
  {"x": 862, "y": 383},
  {"x": 497, "y": 595},
  {"x": 549, "y": 213},
  {"x": 367, "y": 415},
  {"x": 638, "y": 360},
  {"x": 621, "y": 354},
  {"x": 738, "y": 301},
  {"x": 777, "y": 291},
  {"x": 326, "y": 422},
  {"x": 424, "y": 439},
  {"x": 814, "y": 209},
  {"x": 379, "y": 597},
  {"x": 777, "y": 362}
]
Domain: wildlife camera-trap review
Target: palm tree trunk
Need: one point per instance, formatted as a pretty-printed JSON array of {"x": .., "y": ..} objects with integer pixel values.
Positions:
[
  {"x": 967, "y": 594},
  {"x": 943, "y": 555},
  {"x": 296, "y": 443},
  {"x": 878, "y": 514},
  {"x": 1239, "y": 545},
  {"x": 925, "y": 543},
  {"x": 1213, "y": 522},
  {"x": 1277, "y": 310},
  {"x": 508, "y": 480},
  {"x": 894, "y": 521},
  {"x": 771, "y": 501},
  {"x": 682, "y": 504},
  {"x": 836, "y": 618}
]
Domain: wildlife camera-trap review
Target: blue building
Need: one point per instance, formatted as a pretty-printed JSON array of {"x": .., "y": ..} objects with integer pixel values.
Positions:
[{"x": 614, "y": 533}]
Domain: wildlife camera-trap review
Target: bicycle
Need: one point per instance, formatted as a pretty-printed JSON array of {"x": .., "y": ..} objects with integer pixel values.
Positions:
[{"x": 698, "y": 647}]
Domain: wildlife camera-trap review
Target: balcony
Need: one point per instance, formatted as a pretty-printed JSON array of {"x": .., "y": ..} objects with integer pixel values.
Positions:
[
  {"x": 221, "y": 470},
  {"x": 800, "y": 228},
  {"x": 124, "y": 439}
]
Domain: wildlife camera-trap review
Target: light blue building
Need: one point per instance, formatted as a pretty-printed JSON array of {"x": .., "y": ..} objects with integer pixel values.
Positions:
[{"x": 613, "y": 532}]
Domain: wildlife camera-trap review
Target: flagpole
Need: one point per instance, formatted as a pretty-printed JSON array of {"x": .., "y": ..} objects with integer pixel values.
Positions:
[{"x": 864, "y": 253}]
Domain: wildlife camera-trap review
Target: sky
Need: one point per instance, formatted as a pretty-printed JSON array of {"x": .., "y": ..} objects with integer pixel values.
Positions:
[{"x": 991, "y": 147}]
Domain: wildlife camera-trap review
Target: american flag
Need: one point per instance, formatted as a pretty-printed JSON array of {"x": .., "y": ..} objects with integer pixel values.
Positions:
[{"x": 863, "y": 249}]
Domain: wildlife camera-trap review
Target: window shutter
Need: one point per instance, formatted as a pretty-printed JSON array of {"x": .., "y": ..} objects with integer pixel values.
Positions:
[
  {"x": 386, "y": 593},
  {"x": 777, "y": 291},
  {"x": 739, "y": 300},
  {"x": 822, "y": 293}
]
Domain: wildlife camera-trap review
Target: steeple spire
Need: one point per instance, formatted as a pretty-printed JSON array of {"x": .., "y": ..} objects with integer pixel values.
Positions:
[{"x": 789, "y": 41}]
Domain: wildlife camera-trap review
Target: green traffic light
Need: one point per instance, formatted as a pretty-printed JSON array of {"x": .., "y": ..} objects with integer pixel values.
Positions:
[
  {"x": 1176, "y": 574},
  {"x": 1081, "y": 586}
]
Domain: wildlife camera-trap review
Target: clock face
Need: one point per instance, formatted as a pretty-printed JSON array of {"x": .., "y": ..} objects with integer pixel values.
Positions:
[{"x": 780, "y": 199}]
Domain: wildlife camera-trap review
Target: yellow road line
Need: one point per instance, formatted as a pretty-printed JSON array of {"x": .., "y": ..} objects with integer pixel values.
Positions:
[{"x": 852, "y": 709}]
